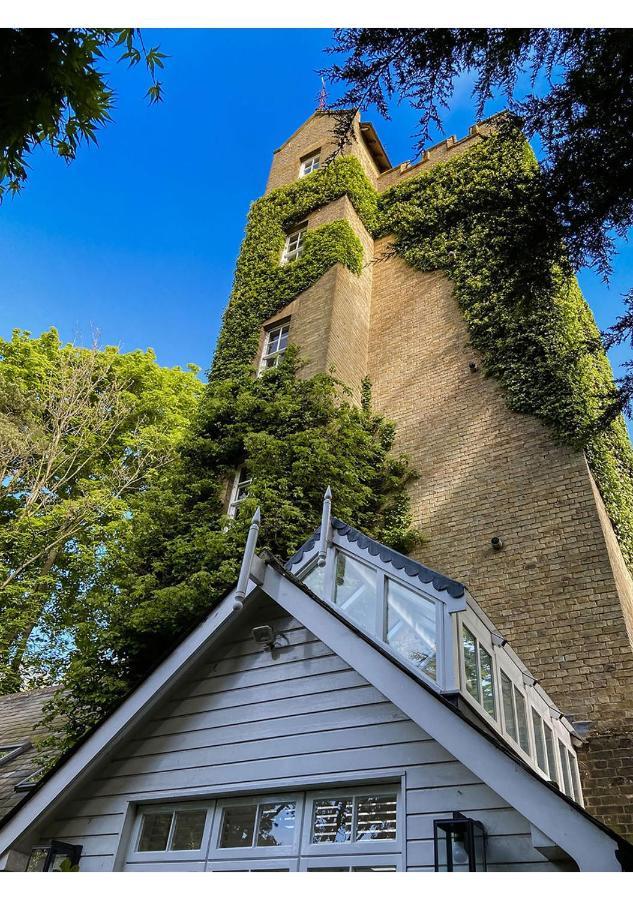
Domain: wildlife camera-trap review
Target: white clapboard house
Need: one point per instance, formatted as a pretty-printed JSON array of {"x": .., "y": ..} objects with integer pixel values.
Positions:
[{"x": 349, "y": 711}]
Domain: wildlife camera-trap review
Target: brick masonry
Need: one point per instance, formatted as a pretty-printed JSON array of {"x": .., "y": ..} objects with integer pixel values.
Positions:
[{"x": 559, "y": 590}]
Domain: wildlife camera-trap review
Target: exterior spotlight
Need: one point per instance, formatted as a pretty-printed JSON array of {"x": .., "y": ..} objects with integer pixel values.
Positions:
[
  {"x": 497, "y": 543},
  {"x": 263, "y": 634},
  {"x": 473, "y": 366}
]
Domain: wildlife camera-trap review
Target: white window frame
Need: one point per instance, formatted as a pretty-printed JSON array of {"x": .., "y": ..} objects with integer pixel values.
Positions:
[
  {"x": 238, "y": 482},
  {"x": 253, "y": 853},
  {"x": 282, "y": 327},
  {"x": 297, "y": 238},
  {"x": 310, "y": 163},
  {"x": 516, "y": 690},
  {"x": 350, "y": 862},
  {"x": 357, "y": 849},
  {"x": 380, "y": 627},
  {"x": 482, "y": 638},
  {"x": 140, "y": 856},
  {"x": 9, "y": 752}
]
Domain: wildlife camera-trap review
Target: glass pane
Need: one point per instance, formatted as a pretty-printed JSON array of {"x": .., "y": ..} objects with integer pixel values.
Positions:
[
  {"x": 238, "y": 826},
  {"x": 188, "y": 830},
  {"x": 539, "y": 741},
  {"x": 575, "y": 776},
  {"x": 487, "y": 682},
  {"x": 332, "y": 821},
  {"x": 411, "y": 625},
  {"x": 376, "y": 818},
  {"x": 154, "y": 831},
  {"x": 551, "y": 755},
  {"x": 508, "y": 706},
  {"x": 564, "y": 766},
  {"x": 355, "y": 591},
  {"x": 60, "y": 862},
  {"x": 37, "y": 860},
  {"x": 276, "y": 824},
  {"x": 524, "y": 737},
  {"x": 315, "y": 580},
  {"x": 570, "y": 769},
  {"x": 470, "y": 663}
]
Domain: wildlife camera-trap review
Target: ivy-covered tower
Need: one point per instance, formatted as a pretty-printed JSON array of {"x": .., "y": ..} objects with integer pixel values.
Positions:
[{"x": 414, "y": 275}]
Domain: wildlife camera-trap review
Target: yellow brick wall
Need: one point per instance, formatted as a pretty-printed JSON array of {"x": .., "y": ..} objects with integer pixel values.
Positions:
[
  {"x": 559, "y": 590},
  {"x": 486, "y": 471}
]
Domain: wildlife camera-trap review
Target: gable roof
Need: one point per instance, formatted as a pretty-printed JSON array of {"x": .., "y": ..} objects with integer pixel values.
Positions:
[
  {"x": 20, "y": 716},
  {"x": 591, "y": 844}
]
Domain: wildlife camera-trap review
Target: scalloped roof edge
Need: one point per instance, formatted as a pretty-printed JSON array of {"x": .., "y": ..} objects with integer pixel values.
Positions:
[{"x": 398, "y": 560}]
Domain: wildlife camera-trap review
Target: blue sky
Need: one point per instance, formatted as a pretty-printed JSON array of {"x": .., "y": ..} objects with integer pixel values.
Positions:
[{"x": 137, "y": 239}]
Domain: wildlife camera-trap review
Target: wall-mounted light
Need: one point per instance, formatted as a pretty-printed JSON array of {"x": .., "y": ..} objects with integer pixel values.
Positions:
[
  {"x": 497, "y": 543},
  {"x": 460, "y": 844},
  {"x": 265, "y": 635},
  {"x": 473, "y": 366}
]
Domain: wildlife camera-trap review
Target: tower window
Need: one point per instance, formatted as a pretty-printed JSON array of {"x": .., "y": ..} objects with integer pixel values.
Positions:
[
  {"x": 239, "y": 492},
  {"x": 294, "y": 244},
  {"x": 275, "y": 345},
  {"x": 310, "y": 163}
]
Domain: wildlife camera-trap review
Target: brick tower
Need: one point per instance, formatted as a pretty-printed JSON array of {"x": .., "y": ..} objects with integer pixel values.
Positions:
[{"x": 559, "y": 590}]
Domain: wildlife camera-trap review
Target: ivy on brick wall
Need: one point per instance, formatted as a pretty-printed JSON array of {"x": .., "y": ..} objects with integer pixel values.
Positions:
[{"x": 480, "y": 218}]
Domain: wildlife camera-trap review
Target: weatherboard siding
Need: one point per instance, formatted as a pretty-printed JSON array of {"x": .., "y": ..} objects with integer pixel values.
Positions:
[{"x": 285, "y": 722}]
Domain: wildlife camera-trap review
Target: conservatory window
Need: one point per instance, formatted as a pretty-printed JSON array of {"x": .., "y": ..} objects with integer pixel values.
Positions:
[
  {"x": 539, "y": 742},
  {"x": 310, "y": 163},
  {"x": 239, "y": 492},
  {"x": 275, "y": 345},
  {"x": 565, "y": 769},
  {"x": 551, "y": 753},
  {"x": 514, "y": 713},
  {"x": 349, "y": 819},
  {"x": 411, "y": 626},
  {"x": 479, "y": 672},
  {"x": 355, "y": 591},
  {"x": 294, "y": 244},
  {"x": 575, "y": 777}
]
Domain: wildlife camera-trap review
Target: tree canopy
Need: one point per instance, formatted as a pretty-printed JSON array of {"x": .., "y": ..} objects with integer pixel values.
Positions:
[
  {"x": 83, "y": 434},
  {"x": 578, "y": 100},
  {"x": 53, "y": 90}
]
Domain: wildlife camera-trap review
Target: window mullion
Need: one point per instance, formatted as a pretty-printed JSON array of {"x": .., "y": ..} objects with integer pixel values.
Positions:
[{"x": 381, "y": 606}]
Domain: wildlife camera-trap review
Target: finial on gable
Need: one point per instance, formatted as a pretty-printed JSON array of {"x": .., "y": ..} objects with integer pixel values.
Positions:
[
  {"x": 326, "y": 526},
  {"x": 247, "y": 561}
]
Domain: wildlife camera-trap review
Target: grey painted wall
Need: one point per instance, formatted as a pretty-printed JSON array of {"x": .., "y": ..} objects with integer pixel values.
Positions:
[{"x": 288, "y": 722}]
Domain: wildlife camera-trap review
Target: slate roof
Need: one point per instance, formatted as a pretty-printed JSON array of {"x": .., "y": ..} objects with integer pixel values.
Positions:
[
  {"x": 19, "y": 724},
  {"x": 412, "y": 568}
]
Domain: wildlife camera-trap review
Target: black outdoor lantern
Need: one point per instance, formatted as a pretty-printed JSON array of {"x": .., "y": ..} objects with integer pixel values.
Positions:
[
  {"x": 57, "y": 857},
  {"x": 460, "y": 844}
]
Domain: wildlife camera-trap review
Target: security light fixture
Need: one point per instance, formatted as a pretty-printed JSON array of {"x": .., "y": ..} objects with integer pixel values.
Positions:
[
  {"x": 473, "y": 366},
  {"x": 263, "y": 634},
  {"x": 460, "y": 844},
  {"x": 497, "y": 543}
]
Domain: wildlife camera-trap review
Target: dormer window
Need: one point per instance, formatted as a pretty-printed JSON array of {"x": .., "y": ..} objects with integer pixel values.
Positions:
[
  {"x": 310, "y": 163},
  {"x": 275, "y": 345},
  {"x": 294, "y": 244},
  {"x": 239, "y": 492}
]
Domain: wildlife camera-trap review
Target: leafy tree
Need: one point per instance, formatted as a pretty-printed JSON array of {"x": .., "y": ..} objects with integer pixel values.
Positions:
[
  {"x": 181, "y": 552},
  {"x": 83, "y": 434},
  {"x": 579, "y": 102},
  {"x": 53, "y": 92}
]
